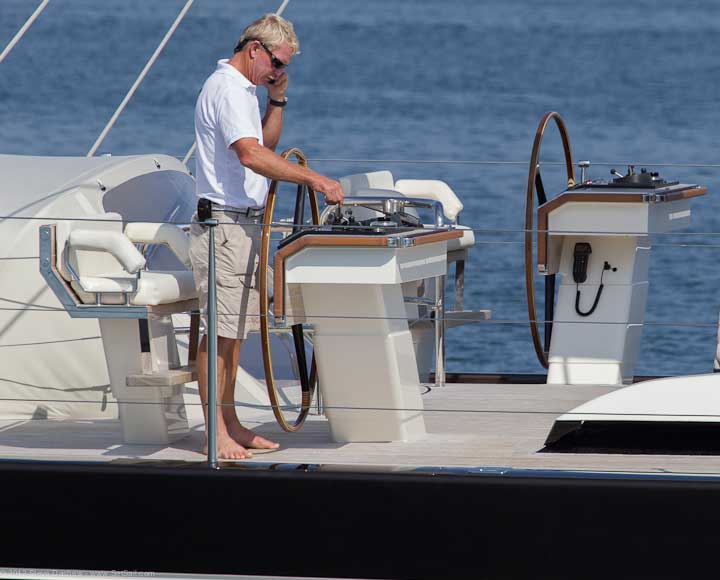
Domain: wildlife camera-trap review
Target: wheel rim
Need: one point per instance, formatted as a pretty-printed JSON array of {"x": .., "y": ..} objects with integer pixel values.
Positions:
[
  {"x": 307, "y": 394},
  {"x": 530, "y": 220}
]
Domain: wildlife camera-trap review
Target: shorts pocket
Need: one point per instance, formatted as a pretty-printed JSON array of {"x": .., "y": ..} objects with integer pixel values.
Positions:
[{"x": 222, "y": 236}]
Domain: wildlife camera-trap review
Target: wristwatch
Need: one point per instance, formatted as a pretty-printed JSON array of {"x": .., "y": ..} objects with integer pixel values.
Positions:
[{"x": 275, "y": 103}]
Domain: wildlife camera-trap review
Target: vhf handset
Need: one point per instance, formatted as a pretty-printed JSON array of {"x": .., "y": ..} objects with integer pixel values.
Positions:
[{"x": 581, "y": 257}]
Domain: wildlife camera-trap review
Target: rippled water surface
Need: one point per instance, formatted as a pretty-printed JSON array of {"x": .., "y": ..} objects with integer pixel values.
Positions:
[{"x": 420, "y": 80}]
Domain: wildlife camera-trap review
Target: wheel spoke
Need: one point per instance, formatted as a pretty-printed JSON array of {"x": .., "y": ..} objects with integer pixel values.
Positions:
[{"x": 540, "y": 188}]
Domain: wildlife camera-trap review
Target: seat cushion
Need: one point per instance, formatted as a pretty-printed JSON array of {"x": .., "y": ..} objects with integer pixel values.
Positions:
[
  {"x": 467, "y": 240},
  {"x": 153, "y": 288},
  {"x": 164, "y": 287}
]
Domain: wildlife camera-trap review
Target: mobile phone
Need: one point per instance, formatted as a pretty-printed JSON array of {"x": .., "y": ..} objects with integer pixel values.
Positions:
[{"x": 204, "y": 209}]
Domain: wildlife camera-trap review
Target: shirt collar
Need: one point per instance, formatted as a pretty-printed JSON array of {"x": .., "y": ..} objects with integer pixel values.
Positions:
[{"x": 225, "y": 67}]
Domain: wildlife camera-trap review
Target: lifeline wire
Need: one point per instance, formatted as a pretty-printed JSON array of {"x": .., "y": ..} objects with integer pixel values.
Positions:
[
  {"x": 484, "y": 162},
  {"x": 508, "y": 322},
  {"x": 354, "y": 408},
  {"x": 522, "y": 163},
  {"x": 477, "y": 243},
  {"x": 287, "y": 225}
]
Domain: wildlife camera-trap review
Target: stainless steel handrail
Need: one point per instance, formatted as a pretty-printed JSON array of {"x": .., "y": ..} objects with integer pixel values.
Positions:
[
  {"x": 98, "y": 295},
  {"x": 212, "y": 402},
  {"x": 392, "y": 204},
  {"x": 439, "y": 331},
  {"x": 437, "y": 307}
]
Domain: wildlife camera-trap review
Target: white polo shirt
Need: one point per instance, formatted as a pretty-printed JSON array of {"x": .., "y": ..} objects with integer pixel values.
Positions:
[{"x": 227, "y": 110}]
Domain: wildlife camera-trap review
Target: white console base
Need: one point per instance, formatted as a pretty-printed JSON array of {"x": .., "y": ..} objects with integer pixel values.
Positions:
[
  {"x": 364, "y": 351},
  {"x": 601, "y": 348}
]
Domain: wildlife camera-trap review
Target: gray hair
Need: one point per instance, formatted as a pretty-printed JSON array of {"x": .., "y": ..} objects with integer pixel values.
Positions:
[{"x": 272, "y": 30}]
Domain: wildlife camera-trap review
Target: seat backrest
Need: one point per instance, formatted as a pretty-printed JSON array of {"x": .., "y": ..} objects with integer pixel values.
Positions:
[
  {"x": 89, "y": 262},
  {"x": 434, "y": 190},
  {"x": 374, "y": 180}
]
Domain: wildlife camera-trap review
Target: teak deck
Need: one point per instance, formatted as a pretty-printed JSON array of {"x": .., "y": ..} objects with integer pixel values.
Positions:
[{"x": 468, "y": 425}]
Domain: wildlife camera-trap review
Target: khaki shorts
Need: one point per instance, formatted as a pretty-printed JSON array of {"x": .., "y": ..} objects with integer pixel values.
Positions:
[{"x": 237, "y": 246}]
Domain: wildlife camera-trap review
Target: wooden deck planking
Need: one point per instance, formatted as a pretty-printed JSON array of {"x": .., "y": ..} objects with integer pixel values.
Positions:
[{"x": 500, "y": 426}]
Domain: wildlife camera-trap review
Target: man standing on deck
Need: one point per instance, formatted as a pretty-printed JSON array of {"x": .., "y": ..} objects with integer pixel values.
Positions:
[{"x": 235, "y": 158}]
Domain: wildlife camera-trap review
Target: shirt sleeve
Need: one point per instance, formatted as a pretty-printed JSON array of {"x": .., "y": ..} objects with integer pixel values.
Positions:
[{"x": 236, "y": 110}]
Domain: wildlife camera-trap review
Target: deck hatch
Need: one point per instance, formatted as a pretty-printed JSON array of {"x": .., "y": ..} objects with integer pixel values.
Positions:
[{"x": 634, "y": 438}]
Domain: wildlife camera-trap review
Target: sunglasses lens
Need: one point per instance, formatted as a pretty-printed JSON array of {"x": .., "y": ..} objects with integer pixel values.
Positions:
[{"x": 275, "y": 61}]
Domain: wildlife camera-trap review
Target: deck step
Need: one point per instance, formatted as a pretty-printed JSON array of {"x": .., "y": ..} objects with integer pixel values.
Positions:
[{"x": 179, "y": 376}]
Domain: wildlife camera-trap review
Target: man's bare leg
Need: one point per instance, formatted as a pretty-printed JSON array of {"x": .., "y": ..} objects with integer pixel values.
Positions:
[
  {"x": 240, "y": 434},
  {"x": 227, "y": 446}
]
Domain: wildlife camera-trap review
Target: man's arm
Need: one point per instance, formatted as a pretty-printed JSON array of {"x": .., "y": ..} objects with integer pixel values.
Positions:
[
  {"x": 272, "y": 126},
  {"x": 265, "y": 162},
  {"x": 273, "y": 119}
]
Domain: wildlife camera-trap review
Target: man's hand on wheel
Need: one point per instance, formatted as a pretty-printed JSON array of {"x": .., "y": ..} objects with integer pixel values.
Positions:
[{"x": 329, "y": 188}]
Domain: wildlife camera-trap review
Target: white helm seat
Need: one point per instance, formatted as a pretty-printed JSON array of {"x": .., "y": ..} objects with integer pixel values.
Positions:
[
  {"x": 96, "y": 257},
  {"x": 362, "y": 184}
]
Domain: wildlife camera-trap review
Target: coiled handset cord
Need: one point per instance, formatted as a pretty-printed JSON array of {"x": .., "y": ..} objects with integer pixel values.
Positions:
[{"x": 606, "y": 266}]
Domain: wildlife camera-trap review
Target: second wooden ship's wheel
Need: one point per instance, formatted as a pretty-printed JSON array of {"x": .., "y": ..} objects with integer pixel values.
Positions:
[{"x": 535, "y": 184}]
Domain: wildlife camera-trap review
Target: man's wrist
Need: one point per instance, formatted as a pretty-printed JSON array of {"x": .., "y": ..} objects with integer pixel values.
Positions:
[
  {"x": 313, "y": 183},
  {"x": 278, "y": 103}
]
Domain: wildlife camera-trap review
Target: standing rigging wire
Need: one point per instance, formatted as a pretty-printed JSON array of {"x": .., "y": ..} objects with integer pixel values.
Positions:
[
  {"x": 139, "y": 79},
  {"x": 23, "y": 29},
  {"x": 191, "y": 151},
  {"x": 280, "y": 10}
]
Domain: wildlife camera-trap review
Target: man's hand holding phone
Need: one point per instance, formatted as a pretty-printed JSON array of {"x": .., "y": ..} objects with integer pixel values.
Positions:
[{"x": 277, "y": 86}]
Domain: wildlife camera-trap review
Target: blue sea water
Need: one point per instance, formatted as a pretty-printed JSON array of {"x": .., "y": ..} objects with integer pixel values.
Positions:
[{"x": 453, "y": 81}]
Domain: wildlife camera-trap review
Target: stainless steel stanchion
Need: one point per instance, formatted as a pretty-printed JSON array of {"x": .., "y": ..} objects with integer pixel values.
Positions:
[
  {"x": 439, "y": 331},
  {"x": 212, "y": 348}
]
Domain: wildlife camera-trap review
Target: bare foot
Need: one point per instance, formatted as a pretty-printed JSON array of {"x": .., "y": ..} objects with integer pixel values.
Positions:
[
  {"x": 250, "y": 439},
  {"x": 229, "y": 448}
]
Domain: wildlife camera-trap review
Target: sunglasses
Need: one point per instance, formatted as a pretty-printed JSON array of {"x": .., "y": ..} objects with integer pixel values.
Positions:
[{"x": 276, "y": 62}]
